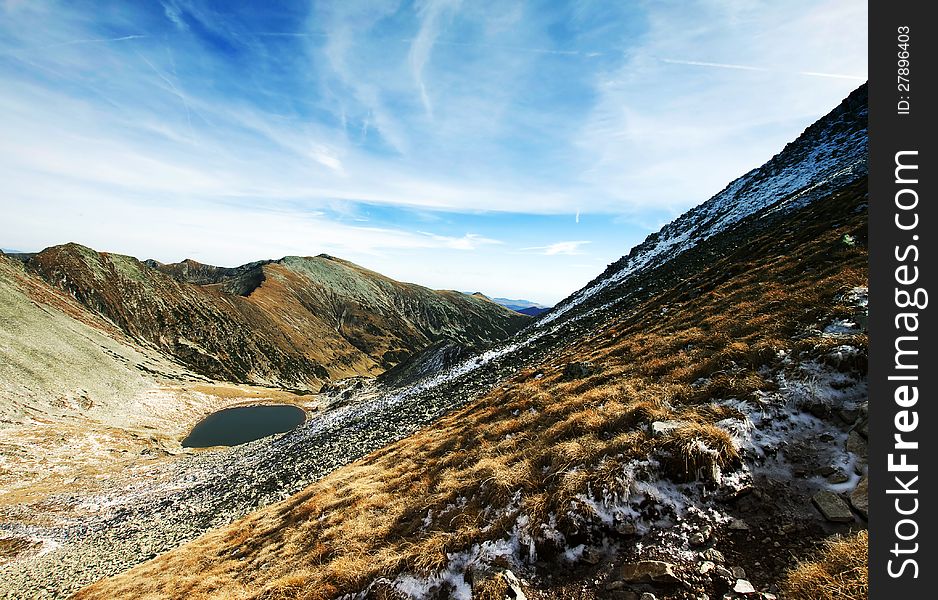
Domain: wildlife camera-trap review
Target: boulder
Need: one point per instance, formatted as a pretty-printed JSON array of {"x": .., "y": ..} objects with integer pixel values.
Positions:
[
  {"x": 713, "y": 555},
  {"x": 648, "y": 571},
  {"x": 832, "y": 507},
  {"x": 514, "y": 586},
  {"x": 626, "y": 528},
  {"x": 859, "y": 498},
  {"x": 578, "y": 370},
  {"x": 592, "y": 556},
  {"x": 743, "y": 587},
  {"x": 856, "y": 444}
]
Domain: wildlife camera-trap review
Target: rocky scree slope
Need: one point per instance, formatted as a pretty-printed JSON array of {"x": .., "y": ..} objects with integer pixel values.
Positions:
[
  {"x": 290, "y": 323},
  {"x": 712, "y": 388}
]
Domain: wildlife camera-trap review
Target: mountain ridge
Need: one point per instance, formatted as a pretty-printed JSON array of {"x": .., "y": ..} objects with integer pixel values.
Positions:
[{"x": 230, "y": 323}]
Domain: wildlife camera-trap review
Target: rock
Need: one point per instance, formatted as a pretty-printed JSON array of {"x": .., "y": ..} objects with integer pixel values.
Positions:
[
  {"x": 660, "y": 428},
  {"x": 705, "y": 567},
  {"x": 723, "y": 572},
  {"x": 743, "y": 587},
  {"x": 832, "y": 507},
  {"x": 514, "y": 586},
  {"x": 859, "y": 498},
  {"x": 592, "y": 556},
  {"x": 838, "y": 476},
  {"x": 738, "y": 525},
  {"x": 578, "y": 370},
  {"x": 738, "y": 572},
  {"x": 860, "y": 467},
  {"x": 648, "y": 571},
  {"x": 856, "y": 444},
  {"x": 713, "y": 555},
  {"x": 848, "y": 416},
  {"x": 626, "y": 528},
  {"x": 648, "y": 596},
  {"x": 697, "y": 539}
]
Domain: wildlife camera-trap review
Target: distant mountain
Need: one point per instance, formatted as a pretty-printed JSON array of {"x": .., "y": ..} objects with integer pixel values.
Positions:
[
  {"x": 515, "y": 305},
  {"x": 294, "y": 322}
]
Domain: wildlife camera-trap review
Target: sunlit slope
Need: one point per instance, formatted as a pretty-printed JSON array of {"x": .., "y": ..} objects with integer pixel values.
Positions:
[{"x": 60, "y": 359}]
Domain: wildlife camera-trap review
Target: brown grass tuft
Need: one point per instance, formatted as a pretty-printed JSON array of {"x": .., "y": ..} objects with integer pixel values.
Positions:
[{"x": 838, "y": 572}]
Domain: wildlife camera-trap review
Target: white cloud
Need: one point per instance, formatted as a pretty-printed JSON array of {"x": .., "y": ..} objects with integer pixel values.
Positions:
[
  {"x": 174, "y": 14},
  {"x": 432, "y": 13},
  {"x": 671, "y": 132},
  {"x": 470, "y": 241},
  {"x": 148, "y": 142},
  {"x": 566, "y": 248}
]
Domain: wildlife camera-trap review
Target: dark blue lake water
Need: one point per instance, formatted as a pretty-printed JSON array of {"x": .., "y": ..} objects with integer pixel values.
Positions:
[{"x": 241, "y": 424}]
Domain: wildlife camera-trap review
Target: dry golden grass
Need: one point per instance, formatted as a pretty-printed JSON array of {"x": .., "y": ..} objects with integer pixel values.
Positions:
[
  {"x": 839, "y": 572},
  {"x": 491, "y": 588},
  {"x": 535, "y": 445}
]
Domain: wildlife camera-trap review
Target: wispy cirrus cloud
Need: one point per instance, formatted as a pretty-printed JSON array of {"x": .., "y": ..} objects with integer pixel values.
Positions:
[
  {"x": 433, "y": 14},
  {"x": 380, "y": 130}
]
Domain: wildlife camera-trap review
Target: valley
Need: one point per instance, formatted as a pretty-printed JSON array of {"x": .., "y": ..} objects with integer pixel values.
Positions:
[{"x": 691, "y": 423}]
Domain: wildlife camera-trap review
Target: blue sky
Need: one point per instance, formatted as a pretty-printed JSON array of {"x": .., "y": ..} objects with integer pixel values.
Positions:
[{"x": 515, "y": 148}]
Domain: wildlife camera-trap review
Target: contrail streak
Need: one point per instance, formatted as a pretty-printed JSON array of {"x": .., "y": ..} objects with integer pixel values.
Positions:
[
  {"x": 698, "y": 63},
  {"x": 98, "y": 40}
]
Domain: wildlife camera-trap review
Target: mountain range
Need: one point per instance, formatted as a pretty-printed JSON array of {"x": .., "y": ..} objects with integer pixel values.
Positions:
[
  {"x": 525, "y": 307},
  {"x": 293, "y": 322},
  {"x": 691, "y": 423}
]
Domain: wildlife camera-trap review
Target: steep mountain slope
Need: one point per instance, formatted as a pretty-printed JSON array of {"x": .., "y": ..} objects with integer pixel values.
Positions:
[
  {"x": 59, "y": 356},
  {"x": 683, "y": 408},
  {"x": 290, "y": 323},
  {"x": 829, "y": 154},
  {"x": 77, "y": 396}
]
